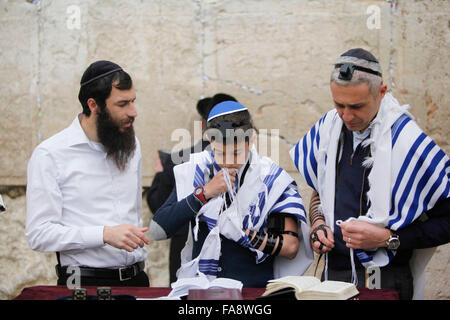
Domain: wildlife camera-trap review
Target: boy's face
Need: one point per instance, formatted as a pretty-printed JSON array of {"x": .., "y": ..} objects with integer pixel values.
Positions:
[{"x": 232, "y": 155}]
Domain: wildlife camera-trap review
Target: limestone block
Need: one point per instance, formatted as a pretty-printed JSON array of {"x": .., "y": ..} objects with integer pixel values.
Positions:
[
  {"x": 424, "y": 25},
  {"x": 437, "y": 279},
  {"x": 20, "y": 266},
  {"x": 18, "y": 94}
]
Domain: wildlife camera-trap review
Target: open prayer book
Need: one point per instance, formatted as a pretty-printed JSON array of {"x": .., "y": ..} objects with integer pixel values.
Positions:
[
  {"x": 309, "y": 288},
  {"x": 182, "y": 286}
]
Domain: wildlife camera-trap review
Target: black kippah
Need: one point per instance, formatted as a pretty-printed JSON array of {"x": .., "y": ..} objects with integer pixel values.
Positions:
[
  {"x": 360, "y": 54},
  {"x": 97, "y": 70}
]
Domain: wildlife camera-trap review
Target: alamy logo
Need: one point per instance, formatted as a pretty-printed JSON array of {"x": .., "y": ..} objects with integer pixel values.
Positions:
[
  {"x": 74, "y": 281},
  {"x": 74, "y": 17},
  {"x": 374, "y": 19},
  {"x": 373, "y": 277}
]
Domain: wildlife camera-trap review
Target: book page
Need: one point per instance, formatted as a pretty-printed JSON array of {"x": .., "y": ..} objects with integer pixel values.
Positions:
[
  {"x": 331, "y": 286},
  {"x": 299, "y": 283},
  {"x": 334, "y": 290}
]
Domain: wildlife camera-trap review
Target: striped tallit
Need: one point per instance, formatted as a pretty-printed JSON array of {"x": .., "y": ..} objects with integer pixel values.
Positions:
[
  {"x": 266, "y": 189},
  {"x": 409, "y": 174}
]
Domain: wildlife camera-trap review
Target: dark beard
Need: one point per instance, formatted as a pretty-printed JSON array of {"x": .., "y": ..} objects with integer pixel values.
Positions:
[{"x": 119, "y": 146}]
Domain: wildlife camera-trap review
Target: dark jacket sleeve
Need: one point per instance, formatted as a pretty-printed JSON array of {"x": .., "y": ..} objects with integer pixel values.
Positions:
[
  {"x": 432, "y": 231},
  {"x": 173, "y": 215}
]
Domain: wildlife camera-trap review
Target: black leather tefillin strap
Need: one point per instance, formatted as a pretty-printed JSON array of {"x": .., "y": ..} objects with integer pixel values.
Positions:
[
  {"x": 315, "y": 237},
  {"x": 271, "y": 242}
]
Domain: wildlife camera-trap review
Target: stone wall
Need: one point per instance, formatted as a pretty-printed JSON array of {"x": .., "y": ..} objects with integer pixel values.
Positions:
[{"x": 274, "y": 56}]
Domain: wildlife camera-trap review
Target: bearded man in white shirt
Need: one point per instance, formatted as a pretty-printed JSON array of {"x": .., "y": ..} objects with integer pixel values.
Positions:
[{"x": 84, "y": 187}]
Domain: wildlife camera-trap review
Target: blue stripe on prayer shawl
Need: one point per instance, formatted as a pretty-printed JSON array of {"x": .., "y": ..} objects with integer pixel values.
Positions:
[
  {"x": 447, "y": 164},
  {"x": 291, "y": 205},
  {"x": 244, "y": 242},
  {"x": 261, "y": 203},
  {"x": 198, "y": 177},
  {"x": 364, "y": 256},
  {"x": 390, "y": 255},
  {"x": 402, "y": 173},
  {"x": 435, "y": 185},
  {"x": 269, "y": 174},
  {"x": 214, "y": 163},
  {"x": 273, "y": 178},
  {"x": 433, "y": 188},
  {"x": 317, "y": 139},
  {"x": 208, "y": 266},
  {"x": 323, "y": 118},
  {"x": 364, "y": 259},
  {"x": 398, "y": 126},
  {"x": 216, "y": 166},
  {"x": 412, "y": 178},
  {"x": 286, "y": 195},
  {"x": 296, "y": 155},
  {"x": 209, "y": 261},
  {"x": 268, "y": 181},
  {"x": 305, "y": 168},
  {"x": 245, "y": 222},
  {"x": 264, "y": 256},
  {"x": 421, "y": 184},
  {"x": 312, "y": 159},
  {"x": 318, "y": 131},
  {"x": 209, "y": 221}
]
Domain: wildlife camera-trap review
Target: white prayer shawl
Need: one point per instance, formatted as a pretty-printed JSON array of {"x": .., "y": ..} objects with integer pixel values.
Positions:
[
  {"x": 409, "y": 174},
  {"x": 266, "y": 188}
]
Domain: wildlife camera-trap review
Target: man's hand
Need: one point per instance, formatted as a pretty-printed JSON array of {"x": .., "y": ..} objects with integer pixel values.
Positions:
[
  {"x": 327, "y": 242},
  {"x": 217, "y": 184},
  {"x": 125, "y": 236},
  {"x": 364, "y": 235}
]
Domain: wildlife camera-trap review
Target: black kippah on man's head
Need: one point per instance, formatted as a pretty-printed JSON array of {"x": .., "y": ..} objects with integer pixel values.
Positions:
[
  {"x": 97, "y": 70},
  {"x": 360, "y": 54}
]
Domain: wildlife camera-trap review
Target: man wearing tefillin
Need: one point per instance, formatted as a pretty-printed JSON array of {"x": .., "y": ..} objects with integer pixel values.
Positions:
[{"x": 381, "y": 185}]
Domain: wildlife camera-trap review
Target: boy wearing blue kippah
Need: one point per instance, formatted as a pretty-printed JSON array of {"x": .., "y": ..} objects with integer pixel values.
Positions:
[{"x": 247, "y": 218}]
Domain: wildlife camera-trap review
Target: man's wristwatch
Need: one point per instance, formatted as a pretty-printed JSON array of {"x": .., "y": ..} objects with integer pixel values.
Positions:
[
  {"x": 393, "y": 242},
  {"x": 199, "y": 193}
]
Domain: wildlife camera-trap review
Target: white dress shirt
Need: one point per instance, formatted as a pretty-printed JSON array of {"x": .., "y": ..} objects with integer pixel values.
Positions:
[{"x": 73, "y": 191}]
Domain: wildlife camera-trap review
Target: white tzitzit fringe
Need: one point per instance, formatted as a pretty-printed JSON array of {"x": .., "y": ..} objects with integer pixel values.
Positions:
[
  {"x": 233, "y": 196},
  {"x": 352, "y": 261}
]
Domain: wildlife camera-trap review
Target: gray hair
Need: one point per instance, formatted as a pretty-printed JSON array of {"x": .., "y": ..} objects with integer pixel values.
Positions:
[{"x": 359, "y": 76}]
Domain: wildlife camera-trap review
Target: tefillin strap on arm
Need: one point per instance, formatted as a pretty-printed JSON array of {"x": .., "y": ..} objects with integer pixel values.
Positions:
[
  {"x": 274, "y": 236},
  {"x": 346, "y": 70}
]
